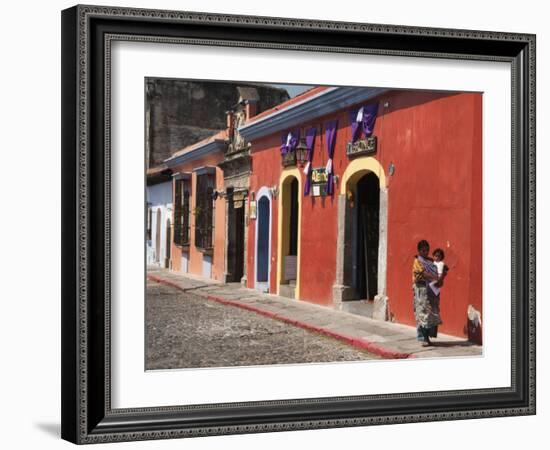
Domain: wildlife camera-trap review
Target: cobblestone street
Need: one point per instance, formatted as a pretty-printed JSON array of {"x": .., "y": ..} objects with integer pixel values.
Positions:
[
  {"x": 345, "y": 330},
  {"x": 186, "y": 330}
]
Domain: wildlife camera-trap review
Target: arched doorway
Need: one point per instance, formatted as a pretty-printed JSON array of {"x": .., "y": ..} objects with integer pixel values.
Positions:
[
  {"x": 157, "y": 236},
  {"x": 263, "y": 240},
  {"x": 289, "y": 236},
  {"x": 361, "y": 247},
  {"x": 168, "y": 237},
  {"x": 365, "y": 236}
]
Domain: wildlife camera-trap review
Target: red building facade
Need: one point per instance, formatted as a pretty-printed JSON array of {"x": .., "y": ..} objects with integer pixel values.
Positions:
[{"x": 420, "y": 179}]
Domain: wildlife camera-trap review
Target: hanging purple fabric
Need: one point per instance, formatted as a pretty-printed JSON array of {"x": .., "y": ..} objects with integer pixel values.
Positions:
[
  {"x": 355, "y": 128},
  {"x": 310, "y": 144},
  {"x": 369, "y": 118},
  {"x": 289, "y": 141},
  {"x": 363, "y": 120},
  {"x": 331, "y": 128}
]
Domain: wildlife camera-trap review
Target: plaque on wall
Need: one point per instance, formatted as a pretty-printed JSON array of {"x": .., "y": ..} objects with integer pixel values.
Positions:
[
  {"x": 319, "y": 180},
  {"x": 361, "y": 147}
]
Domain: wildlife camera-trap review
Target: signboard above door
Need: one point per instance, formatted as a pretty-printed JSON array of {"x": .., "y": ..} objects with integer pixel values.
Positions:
[{"x": 361, "y": 147}]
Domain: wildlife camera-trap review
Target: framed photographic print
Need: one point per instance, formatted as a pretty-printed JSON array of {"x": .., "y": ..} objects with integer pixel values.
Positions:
[{"x": 280, "y": 224}]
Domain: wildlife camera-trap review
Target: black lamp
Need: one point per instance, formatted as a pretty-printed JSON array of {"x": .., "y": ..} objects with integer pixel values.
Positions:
[{"x": 301, "y": 152}]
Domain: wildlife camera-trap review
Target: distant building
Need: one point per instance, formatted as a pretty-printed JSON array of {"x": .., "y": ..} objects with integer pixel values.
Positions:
[{"x": 180, "y": 113}]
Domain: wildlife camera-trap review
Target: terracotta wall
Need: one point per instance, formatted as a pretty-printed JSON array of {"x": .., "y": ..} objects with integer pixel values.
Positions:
[{"x": 435, "y": 194}]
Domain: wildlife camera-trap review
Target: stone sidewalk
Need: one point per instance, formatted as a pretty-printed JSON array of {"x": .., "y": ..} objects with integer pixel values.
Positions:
[{"x": 386, "y": 339}]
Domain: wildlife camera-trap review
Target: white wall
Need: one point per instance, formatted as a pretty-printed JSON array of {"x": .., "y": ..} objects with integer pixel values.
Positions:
[
  {"x": 159, "y": 198},
  {"x": 30, "y": 292}
]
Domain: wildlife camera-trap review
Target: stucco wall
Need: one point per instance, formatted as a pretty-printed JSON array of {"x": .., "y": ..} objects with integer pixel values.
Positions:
[
  {"x": 196, "y": 257},
  {"x": 435, "y": 194}
]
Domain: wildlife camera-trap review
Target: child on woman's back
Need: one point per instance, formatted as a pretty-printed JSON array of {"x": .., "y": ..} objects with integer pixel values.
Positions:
[{"x": 442, "y": 270}]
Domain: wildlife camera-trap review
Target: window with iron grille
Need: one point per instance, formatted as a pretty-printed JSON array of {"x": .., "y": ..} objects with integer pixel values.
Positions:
[
  {"x": 182, "y": 200},
  {"x": 204, "y": 211}
]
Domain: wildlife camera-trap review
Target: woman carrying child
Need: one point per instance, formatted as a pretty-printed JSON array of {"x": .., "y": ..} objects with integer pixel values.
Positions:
[{"x": 426, "y": 301}]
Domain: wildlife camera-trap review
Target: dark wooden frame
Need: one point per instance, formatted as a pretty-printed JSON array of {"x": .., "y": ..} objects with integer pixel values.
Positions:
[{"x": 87, "y": 416}]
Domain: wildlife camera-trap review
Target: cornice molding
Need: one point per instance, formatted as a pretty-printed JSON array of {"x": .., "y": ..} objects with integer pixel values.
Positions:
[
  {"x": 311, "y": 108},
  {"x": 209, "y": 147}
]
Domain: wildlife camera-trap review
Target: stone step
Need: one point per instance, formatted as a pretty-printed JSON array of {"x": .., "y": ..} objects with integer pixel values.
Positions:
[
  {"x": 363, "y": 308},
  {"x": 287, "y": 290}
]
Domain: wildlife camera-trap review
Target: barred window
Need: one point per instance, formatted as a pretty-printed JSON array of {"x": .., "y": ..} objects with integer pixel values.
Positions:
[
  {"x": 182, "y": 200},
  {"x": 204, "y": 211}
]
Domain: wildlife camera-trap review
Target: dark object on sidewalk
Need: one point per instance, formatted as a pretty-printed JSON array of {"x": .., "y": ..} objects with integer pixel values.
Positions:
[{"x": 474, "y": 325}]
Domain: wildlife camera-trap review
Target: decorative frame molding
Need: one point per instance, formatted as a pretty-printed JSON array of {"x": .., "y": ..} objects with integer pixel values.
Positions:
[{"x": 87, "y": 34}]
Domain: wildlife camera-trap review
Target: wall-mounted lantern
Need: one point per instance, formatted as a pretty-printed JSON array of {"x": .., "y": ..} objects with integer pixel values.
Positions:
[
  {"x": 301, "y": 152},
  {"x": 218, "y": 194}
]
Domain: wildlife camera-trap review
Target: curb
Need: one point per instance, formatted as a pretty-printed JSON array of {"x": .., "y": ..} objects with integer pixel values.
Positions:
[{"x": 351, "y": 340}]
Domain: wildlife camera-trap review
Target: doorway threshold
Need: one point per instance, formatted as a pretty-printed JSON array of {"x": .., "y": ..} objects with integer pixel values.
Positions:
[{"x": 363, "y": 308}]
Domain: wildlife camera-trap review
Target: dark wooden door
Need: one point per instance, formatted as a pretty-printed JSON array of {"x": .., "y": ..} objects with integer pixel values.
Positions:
[
  {"x": 235, "y": 235},
  {"x": 368, "y": 206},
  {"x": 238, "y": 270}
]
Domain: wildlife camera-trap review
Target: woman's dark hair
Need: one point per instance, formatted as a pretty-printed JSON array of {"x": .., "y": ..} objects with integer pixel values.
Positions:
[
  {"x": 423, "y": 243},
  {"x": 439, "y": 252}
]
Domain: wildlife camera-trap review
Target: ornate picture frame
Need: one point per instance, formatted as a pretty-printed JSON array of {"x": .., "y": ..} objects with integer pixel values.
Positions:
[{"x": 88, "y": 33}]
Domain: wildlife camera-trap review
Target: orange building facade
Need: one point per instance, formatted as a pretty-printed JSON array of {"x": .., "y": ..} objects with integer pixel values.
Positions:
[{"x": 202, "y": 257}]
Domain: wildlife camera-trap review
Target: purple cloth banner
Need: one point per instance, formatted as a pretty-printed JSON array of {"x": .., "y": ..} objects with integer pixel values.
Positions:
[
  {"x": 363, "y": 120},
  {"x": 355, "y": 126},
  {"x": 289, "y": 141},
  {"x": 331, "y": 128},
  {"x": 310, "y": 144}
]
